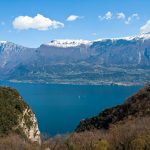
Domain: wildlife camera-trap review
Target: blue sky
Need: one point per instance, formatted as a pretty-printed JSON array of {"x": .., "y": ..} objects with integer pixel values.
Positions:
[{"x": 33, "y": 22}]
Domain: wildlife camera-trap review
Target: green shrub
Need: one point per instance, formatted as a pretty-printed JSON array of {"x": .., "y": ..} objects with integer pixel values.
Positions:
[{"x": 11, "y": 107}]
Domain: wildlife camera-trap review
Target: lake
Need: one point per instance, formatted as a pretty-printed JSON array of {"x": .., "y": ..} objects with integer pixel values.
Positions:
[{"x": 59, "y": 108}]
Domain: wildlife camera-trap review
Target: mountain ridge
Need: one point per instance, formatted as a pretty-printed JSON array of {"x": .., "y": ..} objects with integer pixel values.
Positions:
[
  {"x": 108, "y": 61},
  {"x": 82, "y": 41}
]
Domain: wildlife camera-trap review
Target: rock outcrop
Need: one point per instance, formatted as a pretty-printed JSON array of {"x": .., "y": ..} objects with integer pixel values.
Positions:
[{"x": 16, "y": 116}]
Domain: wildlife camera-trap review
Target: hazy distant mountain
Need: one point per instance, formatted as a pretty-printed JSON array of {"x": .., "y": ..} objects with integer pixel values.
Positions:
[{"x": 105, "y": 61}]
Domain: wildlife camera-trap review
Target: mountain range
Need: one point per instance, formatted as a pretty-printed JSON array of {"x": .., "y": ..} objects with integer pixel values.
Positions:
[{"x": 105, "y": 61}]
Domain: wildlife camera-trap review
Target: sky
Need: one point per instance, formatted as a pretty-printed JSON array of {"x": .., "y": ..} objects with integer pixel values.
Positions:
[{"x": 33, "y": 22}]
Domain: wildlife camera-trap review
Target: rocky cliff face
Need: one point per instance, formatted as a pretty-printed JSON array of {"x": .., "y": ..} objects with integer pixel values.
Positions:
[
  {"x": 28, "y": 123},
  {"x": 16, "y": 116},
  {"x": 134, "y": 107}
]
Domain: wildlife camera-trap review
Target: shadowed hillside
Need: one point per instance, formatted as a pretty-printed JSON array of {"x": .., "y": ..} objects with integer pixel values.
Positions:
[{"x": 136, "y": 106}]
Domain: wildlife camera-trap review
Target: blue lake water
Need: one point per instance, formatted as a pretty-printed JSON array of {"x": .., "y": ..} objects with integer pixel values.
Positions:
[{"x": 59, "y": 108}]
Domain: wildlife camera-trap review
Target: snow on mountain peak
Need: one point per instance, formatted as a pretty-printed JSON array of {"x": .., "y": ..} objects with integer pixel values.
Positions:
[
  {"x": 68, "y": 43},
  {"x": 143, "y": 36},
  {"x": 3, "y": 42}
]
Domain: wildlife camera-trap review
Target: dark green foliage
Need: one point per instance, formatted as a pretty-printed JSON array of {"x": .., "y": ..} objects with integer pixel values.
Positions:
[{"x": 11, "y": 107}]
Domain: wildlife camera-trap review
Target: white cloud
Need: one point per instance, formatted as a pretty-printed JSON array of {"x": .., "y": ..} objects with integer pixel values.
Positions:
[
  {"x": 39, "y": 22},
  {"x": 128, "y": 21},
  {"x": 130, "y": 18},
  {"x": 73, "y": 17},
  {"x": 107, "y": 16},
  {"x": 135, "y": 16},
  {"x": 145, "y": 28},
  {"x": 121, "y": 15}
]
